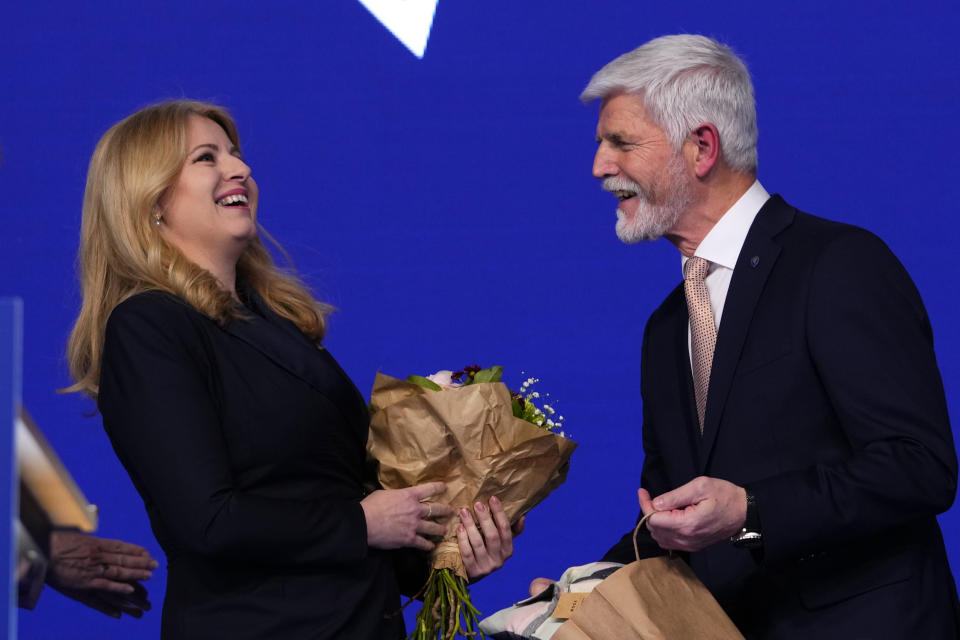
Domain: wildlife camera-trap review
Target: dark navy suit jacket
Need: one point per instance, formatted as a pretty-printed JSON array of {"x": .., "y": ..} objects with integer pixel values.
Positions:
[
  {"x": 247, "y": 444},
  {"x": 826, "y": 402}
]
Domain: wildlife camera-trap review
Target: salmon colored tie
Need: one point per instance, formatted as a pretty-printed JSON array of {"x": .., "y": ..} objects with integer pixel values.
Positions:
[{"x": 703, "y": 331}]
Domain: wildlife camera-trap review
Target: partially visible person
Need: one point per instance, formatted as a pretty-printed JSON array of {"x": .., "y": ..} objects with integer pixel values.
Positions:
[
  {"x": 242, "y": 434},
  {"x": 104, "y": 574},
  {"x": 797, "y": 447}
]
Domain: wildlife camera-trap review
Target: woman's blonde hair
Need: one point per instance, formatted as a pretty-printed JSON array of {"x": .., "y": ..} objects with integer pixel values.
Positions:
[{"x": 122, "y": 253}]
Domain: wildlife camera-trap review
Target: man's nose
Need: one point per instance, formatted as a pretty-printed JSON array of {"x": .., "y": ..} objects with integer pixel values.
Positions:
[{"x": 603, "y": 165}]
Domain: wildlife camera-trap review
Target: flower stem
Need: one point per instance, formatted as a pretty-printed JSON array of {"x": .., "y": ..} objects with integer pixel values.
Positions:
[{"x": 446, "y": 609}]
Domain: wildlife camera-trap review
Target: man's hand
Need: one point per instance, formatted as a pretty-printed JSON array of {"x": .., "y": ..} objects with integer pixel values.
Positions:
[
  {"x": 537, "y": 585},
  {"x": 100, "y": 573},
  {"x": 484, "y": 549},
  {"x": 696, "y": 515}
]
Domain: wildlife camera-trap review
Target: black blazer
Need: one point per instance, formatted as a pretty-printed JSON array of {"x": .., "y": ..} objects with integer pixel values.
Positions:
[
  {"x": 826, "y": 402},
  {"x": 247, "y": 444}
]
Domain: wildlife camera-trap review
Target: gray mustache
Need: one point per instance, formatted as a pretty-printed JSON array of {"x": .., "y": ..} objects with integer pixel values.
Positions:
[{"x": 617, "y": 183}]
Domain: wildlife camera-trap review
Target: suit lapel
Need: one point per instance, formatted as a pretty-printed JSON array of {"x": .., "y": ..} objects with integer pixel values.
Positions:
[
  {"x": 282, "y": 343},
  {"x": 756, "y": 260}
]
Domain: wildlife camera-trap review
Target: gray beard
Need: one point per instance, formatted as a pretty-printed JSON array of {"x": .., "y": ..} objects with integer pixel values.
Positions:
[{"x": 651, "y": 221}]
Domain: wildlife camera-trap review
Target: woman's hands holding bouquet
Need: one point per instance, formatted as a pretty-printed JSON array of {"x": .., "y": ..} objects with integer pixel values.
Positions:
[
  {"x": 487, "y": 543},
  {"x": 406, "y": 518},
  {"x": 402, "y": 517}
]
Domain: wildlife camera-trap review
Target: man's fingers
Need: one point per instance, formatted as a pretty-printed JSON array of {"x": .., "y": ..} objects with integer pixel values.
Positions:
[
  {"x": 132, "y": 610},
  {"x": 119, "y": 546},
  {"x": 669, "y": 521},
  {"x": 121, "y": 574},
  {"x": 539, "y": 584},
  {"x": 144, "y": 563},
  {"x": 682, "y": 496},
  {"x": 122, "y": 604},
  {"x": 646, "y": 504},
  {"x": 107, "y": 585},
  {"x": 139, "y": 596}
]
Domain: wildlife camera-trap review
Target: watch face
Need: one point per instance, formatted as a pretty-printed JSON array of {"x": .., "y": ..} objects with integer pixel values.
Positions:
[{"x": 747, "y": 540}]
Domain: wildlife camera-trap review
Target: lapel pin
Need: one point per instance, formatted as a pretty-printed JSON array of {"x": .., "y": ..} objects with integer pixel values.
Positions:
[{"x": 754, "y": 261}]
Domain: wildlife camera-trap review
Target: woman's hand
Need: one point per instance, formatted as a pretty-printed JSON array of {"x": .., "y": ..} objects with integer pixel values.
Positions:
[
  {"x": 484, "y": 549},
  {"x": 404, "y": 517}
]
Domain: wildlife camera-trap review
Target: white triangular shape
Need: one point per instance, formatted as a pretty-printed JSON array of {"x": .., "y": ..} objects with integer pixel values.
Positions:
[{"x": 408, "y": 20}]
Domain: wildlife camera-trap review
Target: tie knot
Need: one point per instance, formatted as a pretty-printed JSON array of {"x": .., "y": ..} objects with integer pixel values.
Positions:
[{"x": 696, "y": 268}]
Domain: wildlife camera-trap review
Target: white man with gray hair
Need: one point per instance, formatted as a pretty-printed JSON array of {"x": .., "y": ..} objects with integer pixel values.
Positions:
[{"x": 795, "y": 430}]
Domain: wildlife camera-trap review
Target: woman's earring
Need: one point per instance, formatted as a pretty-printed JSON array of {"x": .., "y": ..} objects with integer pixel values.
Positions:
[{"x": 156, "y": 220}]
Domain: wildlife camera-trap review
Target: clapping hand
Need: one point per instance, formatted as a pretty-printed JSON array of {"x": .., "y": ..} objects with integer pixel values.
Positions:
[{"x": 100, "y": 573}]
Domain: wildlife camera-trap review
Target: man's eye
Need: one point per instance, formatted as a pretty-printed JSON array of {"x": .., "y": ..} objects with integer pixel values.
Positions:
[{"x": 204, "y": 157}]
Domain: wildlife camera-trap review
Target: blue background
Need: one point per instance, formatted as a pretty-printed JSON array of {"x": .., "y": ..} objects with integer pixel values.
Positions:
[{"x": 445, "y": 205}]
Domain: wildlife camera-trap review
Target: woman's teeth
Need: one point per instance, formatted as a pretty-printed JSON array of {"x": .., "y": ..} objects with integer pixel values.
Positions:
[{"x": 235, "y": 199}]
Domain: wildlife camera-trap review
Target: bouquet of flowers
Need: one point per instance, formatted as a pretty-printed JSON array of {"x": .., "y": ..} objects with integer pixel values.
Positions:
[{"x": 467, "y": 430}]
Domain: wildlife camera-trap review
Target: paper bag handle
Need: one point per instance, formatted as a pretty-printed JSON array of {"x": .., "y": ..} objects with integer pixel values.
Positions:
[{"x": 636, "y": 551}]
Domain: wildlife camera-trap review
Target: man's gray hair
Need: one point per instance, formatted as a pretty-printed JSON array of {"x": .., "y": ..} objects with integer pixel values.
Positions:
[{"x": 685, "y": 80}]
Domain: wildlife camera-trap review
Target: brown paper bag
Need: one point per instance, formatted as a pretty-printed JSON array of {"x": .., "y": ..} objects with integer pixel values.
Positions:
[{"x": 650, "y": 599}]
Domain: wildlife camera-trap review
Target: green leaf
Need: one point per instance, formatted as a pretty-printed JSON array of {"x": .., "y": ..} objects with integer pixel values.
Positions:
[
  {"x": 517, "y": 411},
  {"x": 491, "y": 374},
  {"x": 424, "y": 382}
]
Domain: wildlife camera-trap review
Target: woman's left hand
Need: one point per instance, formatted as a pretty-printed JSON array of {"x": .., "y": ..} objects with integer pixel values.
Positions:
[{"x": 487, "y": 543}]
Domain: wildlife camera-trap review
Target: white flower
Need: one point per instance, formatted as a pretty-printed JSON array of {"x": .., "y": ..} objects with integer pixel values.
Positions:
[{"x": 444, "y": 379}]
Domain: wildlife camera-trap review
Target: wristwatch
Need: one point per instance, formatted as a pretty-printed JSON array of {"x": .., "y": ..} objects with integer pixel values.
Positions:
[{"x": 749, "y": 537}]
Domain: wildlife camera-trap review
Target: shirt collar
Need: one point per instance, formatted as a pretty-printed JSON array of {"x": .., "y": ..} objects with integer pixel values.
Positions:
[{"x": 723, "y": 242}]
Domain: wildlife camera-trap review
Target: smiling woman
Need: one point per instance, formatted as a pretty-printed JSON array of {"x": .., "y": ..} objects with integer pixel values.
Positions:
[
  {"x": 241, "y": 433},
  {"x": 144, "y": 193},
  {"x": 208, "y": 214}
]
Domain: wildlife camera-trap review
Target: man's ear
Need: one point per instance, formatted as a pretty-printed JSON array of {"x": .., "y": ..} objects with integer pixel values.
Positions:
[{"x": 706, "y": 153}]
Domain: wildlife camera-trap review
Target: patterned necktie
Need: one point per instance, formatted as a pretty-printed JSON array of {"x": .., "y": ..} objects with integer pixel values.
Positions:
[{"x": 703, "y": 332}]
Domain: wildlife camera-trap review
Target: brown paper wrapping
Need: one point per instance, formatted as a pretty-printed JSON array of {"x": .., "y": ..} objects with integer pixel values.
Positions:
[
  {"x": 650, "y": 599},
  {"x": 469, "y": 439}
]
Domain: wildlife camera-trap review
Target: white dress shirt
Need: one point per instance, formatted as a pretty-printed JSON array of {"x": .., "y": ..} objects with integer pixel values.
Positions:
[{"x": 722, "y": 246}]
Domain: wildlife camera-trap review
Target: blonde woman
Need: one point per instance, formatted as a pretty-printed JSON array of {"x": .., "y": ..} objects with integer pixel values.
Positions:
[{"x": 243, "y": 436}]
